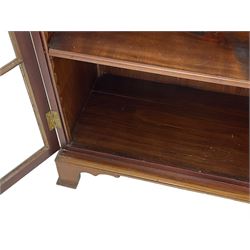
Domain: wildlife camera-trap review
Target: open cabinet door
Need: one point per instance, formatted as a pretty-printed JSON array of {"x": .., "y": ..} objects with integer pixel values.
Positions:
[{"x": 30, "y": 58}]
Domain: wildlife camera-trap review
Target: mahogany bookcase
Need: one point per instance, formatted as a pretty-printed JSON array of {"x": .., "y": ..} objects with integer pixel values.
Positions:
[{"x": 168, "y": 107}]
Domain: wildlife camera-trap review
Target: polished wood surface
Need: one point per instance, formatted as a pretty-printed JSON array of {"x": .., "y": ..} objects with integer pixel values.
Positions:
[
  {"x": 141, "y": 118},
  {"x": 70, "y": 172},
  {"x": 173, "y": 80},
  {"x": 126, "y": 106},
  {"x": 52, "y": 89},
  {"x": 205, "y": 132},
  {"x": 74, "y": 81},
  {"x": 72, "y": 161},
  {"x": 217, "y": 57}
]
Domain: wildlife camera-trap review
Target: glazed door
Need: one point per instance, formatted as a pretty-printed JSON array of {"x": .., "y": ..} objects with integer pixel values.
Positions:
[{"x": 25, "y": 87}]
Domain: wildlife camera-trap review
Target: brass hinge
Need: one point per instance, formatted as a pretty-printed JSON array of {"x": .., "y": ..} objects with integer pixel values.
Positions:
[{"x": 53, "y": 120}]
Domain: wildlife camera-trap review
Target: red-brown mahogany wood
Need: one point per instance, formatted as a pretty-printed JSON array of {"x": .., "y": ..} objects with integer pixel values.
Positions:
[
  {"x": 176, "y": 135},
  {"x": 215, "y": 57}
]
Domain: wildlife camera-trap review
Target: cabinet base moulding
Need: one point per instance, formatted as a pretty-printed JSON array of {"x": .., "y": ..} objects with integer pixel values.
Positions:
[
  {"x": 69, "y": 171},
  {"x": 72, "y": 161}
]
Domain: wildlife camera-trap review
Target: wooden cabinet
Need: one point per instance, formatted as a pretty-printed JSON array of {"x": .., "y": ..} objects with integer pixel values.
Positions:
[{"x": 169, "y": 107}]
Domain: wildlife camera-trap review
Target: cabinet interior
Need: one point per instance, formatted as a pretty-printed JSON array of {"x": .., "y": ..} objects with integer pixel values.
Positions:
[{"x": 200, "y": 126}]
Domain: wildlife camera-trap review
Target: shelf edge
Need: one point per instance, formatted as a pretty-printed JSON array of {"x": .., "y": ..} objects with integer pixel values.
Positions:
[{"x": 151, "y": 68}]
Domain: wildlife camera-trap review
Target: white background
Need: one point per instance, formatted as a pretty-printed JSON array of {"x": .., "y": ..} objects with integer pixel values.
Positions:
[{"x": 105, "y": 212}]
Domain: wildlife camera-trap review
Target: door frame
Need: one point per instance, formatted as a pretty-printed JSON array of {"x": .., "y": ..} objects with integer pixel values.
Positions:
[{"x": 30, "y": 55}]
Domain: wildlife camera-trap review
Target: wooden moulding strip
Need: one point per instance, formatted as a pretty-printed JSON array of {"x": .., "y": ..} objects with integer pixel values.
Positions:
[
  {"x": 47, "y": 70},
  {"x": 102, "y": 162},
  {"x": 9, "y": 66},
  {"x": 150, "y": 68},
  {"x": 24, "y": 168}
]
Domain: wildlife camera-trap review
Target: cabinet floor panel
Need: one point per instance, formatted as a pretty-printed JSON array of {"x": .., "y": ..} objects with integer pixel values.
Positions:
[{"x": 205, "y": 132}]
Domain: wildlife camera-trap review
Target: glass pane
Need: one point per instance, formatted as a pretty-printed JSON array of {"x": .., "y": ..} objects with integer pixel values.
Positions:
[
  {"x": 19, "y": 133},
  {"x": 7, "y": 52}
]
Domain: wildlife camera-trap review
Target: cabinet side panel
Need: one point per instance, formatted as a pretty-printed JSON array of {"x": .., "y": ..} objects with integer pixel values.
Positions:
[{"x": 74, "y": 81}]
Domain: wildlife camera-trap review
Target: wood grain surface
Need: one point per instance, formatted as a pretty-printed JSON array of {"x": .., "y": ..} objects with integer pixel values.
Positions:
[
  {"x": 202, "y": 131},
  {"x": 164, "y": 79},
  {"x": 217, "y": 57},
  {"x": 72, "y": 161},
  {"x": 74, "y": 81}
]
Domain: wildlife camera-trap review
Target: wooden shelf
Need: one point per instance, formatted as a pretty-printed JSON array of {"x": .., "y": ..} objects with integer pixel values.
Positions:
[
  {"x": 203, "y": 132},
  {"x": 216, "y": 57}
]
